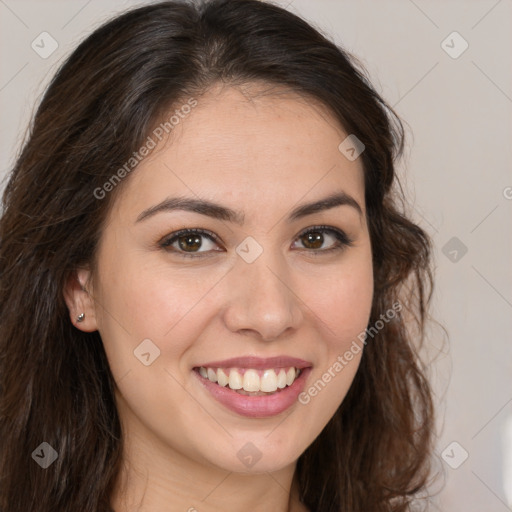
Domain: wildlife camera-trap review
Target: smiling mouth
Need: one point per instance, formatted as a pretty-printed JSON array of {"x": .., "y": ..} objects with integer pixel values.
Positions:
[{"x": 250, "y": 381}]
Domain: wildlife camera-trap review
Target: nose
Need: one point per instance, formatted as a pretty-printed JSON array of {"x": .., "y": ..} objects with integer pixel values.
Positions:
[{"x": 261, "y": 300}]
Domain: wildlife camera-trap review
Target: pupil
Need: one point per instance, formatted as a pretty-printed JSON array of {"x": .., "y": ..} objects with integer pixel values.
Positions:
[
  {"x": 315, "y": 239},
  {"x": 190, "y": 239}
]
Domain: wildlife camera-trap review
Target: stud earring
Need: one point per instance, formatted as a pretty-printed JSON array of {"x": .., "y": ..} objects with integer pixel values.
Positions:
[{"x": 80, "y": 317}]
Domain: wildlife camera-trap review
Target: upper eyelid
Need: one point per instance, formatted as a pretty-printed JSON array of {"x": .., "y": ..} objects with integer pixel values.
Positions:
[
  {"x": 185, "y": 231},
  {"x": 215, "y": 238}
]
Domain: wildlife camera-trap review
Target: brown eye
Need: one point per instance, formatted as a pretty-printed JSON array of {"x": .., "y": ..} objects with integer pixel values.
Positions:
[
  {"x": 314, "y": 238},
  {"x": 188, "y": 242},
  {"x": 192, "y": 242}
]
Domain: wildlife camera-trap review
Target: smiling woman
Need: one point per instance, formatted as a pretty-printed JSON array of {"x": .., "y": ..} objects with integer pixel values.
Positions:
[{"x": 227, "y": 323}]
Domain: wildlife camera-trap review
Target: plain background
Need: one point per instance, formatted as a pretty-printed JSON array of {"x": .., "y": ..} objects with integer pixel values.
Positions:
[{"x": 457, "y": 176}]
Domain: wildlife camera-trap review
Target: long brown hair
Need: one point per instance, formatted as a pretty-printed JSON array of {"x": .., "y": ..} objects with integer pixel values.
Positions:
[{"x": 55, "y": 382}]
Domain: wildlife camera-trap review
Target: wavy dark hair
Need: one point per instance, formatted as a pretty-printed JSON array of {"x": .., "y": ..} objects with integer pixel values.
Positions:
[{"x": 55, "y": 382}]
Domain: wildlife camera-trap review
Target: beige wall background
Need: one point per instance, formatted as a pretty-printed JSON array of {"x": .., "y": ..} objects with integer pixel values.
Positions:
[{"x": 446, "y": 67}]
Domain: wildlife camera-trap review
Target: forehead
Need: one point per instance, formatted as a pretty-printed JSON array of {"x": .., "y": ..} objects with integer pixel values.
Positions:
[{"x": 249, "y": 146}]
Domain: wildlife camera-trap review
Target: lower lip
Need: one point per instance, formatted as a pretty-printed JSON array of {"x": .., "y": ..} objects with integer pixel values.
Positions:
[{"x": 257, "y": 406}]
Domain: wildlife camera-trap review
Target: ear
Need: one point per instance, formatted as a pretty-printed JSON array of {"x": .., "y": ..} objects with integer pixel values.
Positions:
[{"x": 78, "y": 295}]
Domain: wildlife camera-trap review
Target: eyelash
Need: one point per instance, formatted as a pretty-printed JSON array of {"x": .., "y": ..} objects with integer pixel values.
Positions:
[{"x": 342, "y": 240}]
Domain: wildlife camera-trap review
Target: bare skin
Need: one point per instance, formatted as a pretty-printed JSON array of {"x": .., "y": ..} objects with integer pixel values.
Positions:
[{"x": 263, "y": 156}]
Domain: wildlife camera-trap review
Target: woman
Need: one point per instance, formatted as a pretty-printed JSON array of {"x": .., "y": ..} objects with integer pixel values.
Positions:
[{"x": 210, "y": 299}]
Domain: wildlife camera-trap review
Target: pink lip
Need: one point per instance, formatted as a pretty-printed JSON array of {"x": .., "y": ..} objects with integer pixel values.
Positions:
[
  {"x": 256, "y": 406},
  {"x": 258, "y": 363}
]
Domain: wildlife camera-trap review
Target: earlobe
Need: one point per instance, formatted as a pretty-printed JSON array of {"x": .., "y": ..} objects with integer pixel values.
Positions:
[{"x": 79, "y": 299}]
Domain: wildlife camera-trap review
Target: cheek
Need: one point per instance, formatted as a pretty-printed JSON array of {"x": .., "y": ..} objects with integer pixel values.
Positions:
[
  {"x": 141, "y": 301},
  {"x": 343, "y": 309},
  {"x": 342, "y": 298}
]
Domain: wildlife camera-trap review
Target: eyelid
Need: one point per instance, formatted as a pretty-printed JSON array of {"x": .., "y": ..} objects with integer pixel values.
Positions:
[
  {"x": 168, "y": 240},
  {"x": 343, "y": 240}
]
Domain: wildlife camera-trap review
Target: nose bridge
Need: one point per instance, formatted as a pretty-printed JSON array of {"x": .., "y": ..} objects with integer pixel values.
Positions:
[{"x": 262, "y": 299}]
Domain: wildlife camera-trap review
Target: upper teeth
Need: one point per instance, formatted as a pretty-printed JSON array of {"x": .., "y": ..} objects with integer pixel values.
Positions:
[{"x": 251, "y": 380}]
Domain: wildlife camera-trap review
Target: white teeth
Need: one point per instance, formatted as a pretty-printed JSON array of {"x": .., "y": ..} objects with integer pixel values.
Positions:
[
  {"x": 290, "y": 376},
  {"x": 212, "y": 375},
  {"x": 281, "y": 379},
  {"x": 250, "y": 381},
  {"x": 235, "y": 380},
  {"x": 222, "y": 378},
  {"x": 269, "y": 381}
]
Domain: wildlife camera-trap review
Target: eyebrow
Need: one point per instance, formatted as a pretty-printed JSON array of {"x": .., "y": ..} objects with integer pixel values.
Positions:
[{"x": 220, "y": 212}]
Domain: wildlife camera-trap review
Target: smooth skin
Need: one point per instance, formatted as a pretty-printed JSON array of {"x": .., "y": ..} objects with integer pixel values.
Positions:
[{"x": 262, "y": 155}]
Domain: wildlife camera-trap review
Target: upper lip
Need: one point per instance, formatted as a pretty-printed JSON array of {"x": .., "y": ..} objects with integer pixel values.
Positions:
[{"x": 259, "y": 362}]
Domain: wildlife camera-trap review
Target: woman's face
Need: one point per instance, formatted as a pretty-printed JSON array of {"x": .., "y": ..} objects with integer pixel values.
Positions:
[{"x": 250, "y": 286}]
